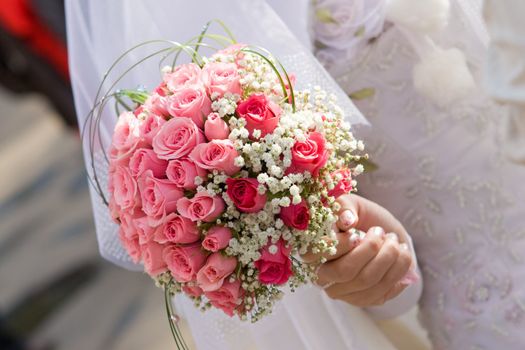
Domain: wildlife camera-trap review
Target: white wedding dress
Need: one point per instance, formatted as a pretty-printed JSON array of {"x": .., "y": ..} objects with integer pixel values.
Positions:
[
  {"x": 98, "y": 32},
  {"x": 442, "y": 173}
]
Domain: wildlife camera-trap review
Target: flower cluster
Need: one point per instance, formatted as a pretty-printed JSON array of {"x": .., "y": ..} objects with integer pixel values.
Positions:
[{"x": 225, "y": 175}]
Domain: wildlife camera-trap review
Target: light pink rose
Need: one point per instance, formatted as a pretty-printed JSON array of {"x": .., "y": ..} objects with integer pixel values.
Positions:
[
  {"x": 182, "y": 172},
  {"x": 310, "y": 155},
  {"x": 184, "y": 261},
  {"x": 125, "y": 189},
  {"x": 244, "y": 194},
  {"x": 215, "y": 128},
  {"x": 274, "y": 268},
  {"x": 154, "y": 263},
  {"x": 344, "y": 185},
  {"x": 260, "y": 113},
  {"x": 296, "y": 216},
  {"x": 177, "y": 229},
  {"x": 159, "y": 197},
  {"x": 232, "y": 50},
  {"x": 228, "y": 297},
  {"x": 150, "y": 126},
  {"x": 144, "y": 229},
  {"x": 217, "y": 238},
  {"x": 183, "y": 75},
  {"x": 220, "y": 78},
  {"x": 202, "y": 207},
  {"x": 156, "y": 105},
  {"x": 126, "y": 137},
  {"x": 216, "y": 155},
  {"x": 146, "y": 159},
  {"x": 131, "y": 245},
  {"x": 177, "y": 138},
  {"x": 192, "y": 291},
  {"x": 211, "y": 276},
  {"x": 190, "y": 102},
  {"x": 127, "y": 225}
]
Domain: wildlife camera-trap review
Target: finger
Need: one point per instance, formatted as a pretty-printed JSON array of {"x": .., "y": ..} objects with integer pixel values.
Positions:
[
  {"x": 372, "y": 273},
  {"x": 369, "y": 214},
  {"x": 349, "y": 265},
  {"x": 397, "y": 289},
  {"x": 346, "y": 242},
  {"x": 347, "y": 219}
]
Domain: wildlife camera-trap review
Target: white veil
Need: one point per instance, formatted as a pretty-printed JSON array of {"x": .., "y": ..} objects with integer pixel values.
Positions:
[{"x": 99, "y": 31}]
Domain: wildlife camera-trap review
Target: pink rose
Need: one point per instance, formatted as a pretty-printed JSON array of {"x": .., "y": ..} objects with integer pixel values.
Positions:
[
  {"x": 177, "y": 229},
  {"x": 217, "y": 238},
  {"x": 154, "y": 263},
  {"x": 176, "y": 138},
  {"x": 159, "y": 197},
  {"x": 215, "y": 128},
  {"x": 182, "y": 172},
  {"x": 127, "y": 225},
  {"x": 244, "y": 194},
  {"x": 228, "y": 297},
  {"x": 145, "y": 159},
  {"x": 260, "y": 113},
  {"x": 131, "y": 245},
  {"x": 150, "y": 126},
  {"x": 126, "y": 137},
  {"x": 183, "y": 75},
  {"x": 190, "y": 102},
  {"x": 125, "y": 189},
  {"x": 216, "y": 155},
  {"x": 220, "y": 78},
  {"x": 157, "y": 105},
  {"x": 344, "y": 185},
  {"x": 274, "y": 268},
  {"x": 144, "y": 229},
  {"x": 310, "y": 155},
  {"x": 202, "y": 207},
  {"x": 232, "y": 50},
  {"x": 192, "y": 291},
  {"x": 211, "y": 276},
  {"x": 296, "y": 216},
  {"x": 184, "y": 261}
]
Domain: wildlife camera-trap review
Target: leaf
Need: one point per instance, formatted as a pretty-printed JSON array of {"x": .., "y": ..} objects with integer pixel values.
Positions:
[
  {"x": 324, "y": 16},
  {"x": 362, "y": 94}
]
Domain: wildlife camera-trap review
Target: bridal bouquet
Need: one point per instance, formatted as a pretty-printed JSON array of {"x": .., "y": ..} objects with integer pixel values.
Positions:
[{"x": 224, "y": 174}]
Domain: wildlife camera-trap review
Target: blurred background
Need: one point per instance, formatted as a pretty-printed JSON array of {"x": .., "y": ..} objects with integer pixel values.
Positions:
[{"x": 55, "y": 290}]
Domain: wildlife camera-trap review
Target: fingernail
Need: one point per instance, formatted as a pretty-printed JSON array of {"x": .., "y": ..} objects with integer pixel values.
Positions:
[
  {"x": 404, "y": 246},
  {"x": 354, "y": 239},
  {"x": 392, "y": 236},
  {"x": 377, "y": 231},
  {"x": 410, "y": 278},
  {"x": 347, "y": 218}
]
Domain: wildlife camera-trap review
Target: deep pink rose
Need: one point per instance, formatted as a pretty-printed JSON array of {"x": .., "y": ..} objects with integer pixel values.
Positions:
[
  {"x": 211, "y": 276},
  {"x": 177, "y": 229},
  {"x": 296, "y": 216},
  {"x": 274, "y": 268},
  {"x": 228, "y": 297},
  {"x": 202, "y": 207},
  {"x": 131, "y": 245},
  {"x": 217, "y": 238},
  {"x": 215, "y": 128},
  {"x": 182, "y": 172},
  {"x": 260, "y": 113},
  {"x": 159, "y": 197},
  {"x": 192, "y": 291},
  {"x": 182, "y": 76},
  {"x": 216, "y": 155},
  {"x": 190, "y": 102},
  {"x": 150, "y": 126},
  {"x": 243, "y": 192},
  {"x": 220, "y": 78},
  {"x": 146, "y": 159},
  {"x": 144, "y": 229},
  {"x": 177, "y": 138},
  {"x": 310, "y": 155},
  {"x": 126, "y": 137},
  {"x": 125, "y": 189},
  {"x": 184, "y": 261},
  {"x": 154, "y": 263},
  {"x": 157, "y": 105},
  {"x": 344, "y": 185}
]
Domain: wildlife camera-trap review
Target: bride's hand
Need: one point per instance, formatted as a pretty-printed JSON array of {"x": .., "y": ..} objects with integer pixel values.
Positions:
[{"x": 373, "y": 270}]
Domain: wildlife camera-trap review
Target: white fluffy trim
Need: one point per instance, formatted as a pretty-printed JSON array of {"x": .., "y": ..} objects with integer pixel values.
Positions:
[
  {"x": 444, "y": 77},
  {"x": 424, "y": 16}
]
